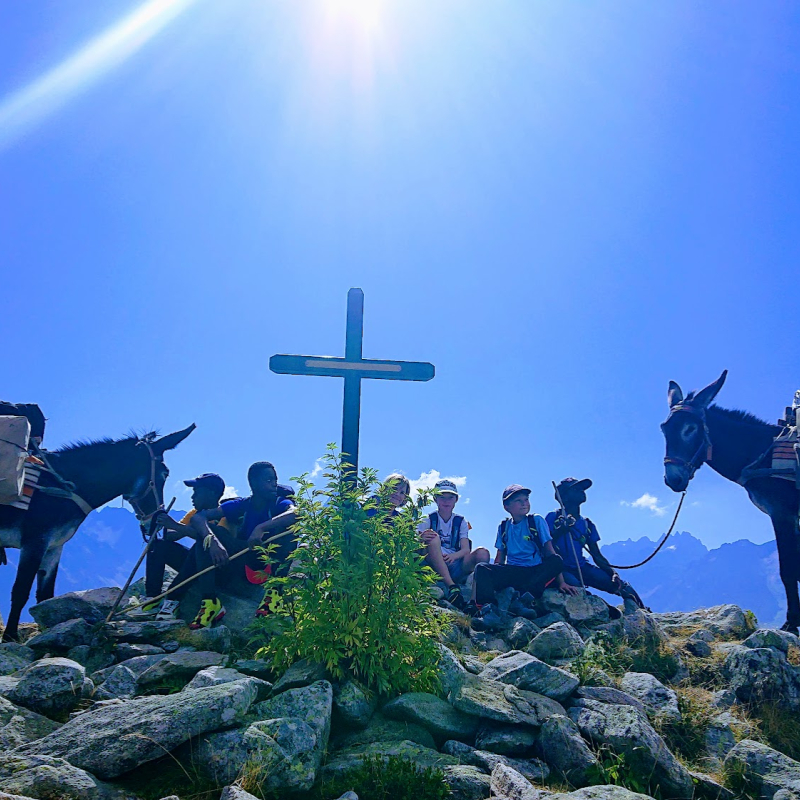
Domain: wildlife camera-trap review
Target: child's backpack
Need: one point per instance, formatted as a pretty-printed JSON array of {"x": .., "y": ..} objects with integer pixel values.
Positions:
[
  {"x": 502, "y": 531},
  {"x": 455, "y": 531}
]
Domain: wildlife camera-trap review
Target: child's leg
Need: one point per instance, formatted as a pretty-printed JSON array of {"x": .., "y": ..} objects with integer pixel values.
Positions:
[
  {"x": 159, "y": 555},
  {"x": 435, "y": 559},
  {"x": 471, "y": 560},
  {"x": 539, "y": 576}
]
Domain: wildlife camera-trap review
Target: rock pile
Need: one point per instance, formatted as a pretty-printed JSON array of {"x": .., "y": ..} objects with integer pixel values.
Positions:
[{"x": 533, "y": 706}]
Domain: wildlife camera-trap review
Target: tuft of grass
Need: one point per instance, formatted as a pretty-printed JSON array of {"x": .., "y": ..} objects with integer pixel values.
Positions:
[
  {"x": 735, "y": 777},
  {"x": 616, "y": 657},
  {"x": 392, "y": 778},
  {"x": 615, "y": 769},
  {"x": 686, "y": 737},
  {"x": 705, "y": 673},
  {"x": 777, "y": 726}
]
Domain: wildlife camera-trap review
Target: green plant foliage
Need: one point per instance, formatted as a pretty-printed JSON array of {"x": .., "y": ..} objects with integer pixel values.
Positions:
[
  {"x": 356, "y": 599},
  {"x": 776, "y": 725},
  {"x": 736, "y": 778},
  {"x": 615, "y": 769},
  {"x": 391, "y": 778},
  {"x": 618, "y": 656},
  {"x": 686, "y": 736}
]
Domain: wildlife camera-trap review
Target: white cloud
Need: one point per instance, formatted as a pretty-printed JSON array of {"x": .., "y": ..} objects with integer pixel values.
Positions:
[
  {"x": 230, "y": 491},
  {"x": 317, "y": 469},
  {"x": 427, "y": 480},
  {"x": 648, "y": 502}
]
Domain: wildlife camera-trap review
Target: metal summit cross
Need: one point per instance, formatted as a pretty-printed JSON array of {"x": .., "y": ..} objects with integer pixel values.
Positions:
[{"x": 353, "y": 368}]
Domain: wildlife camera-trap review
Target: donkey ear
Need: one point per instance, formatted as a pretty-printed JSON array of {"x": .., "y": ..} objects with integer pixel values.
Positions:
[
  {"x": 171, "y": 440},
  {"x": 675, "y": 394},
  {"x": 705, "y": 396}
]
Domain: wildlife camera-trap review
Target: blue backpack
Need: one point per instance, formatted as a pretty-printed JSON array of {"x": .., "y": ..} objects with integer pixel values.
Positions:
[{"x": 455, "y": 531}]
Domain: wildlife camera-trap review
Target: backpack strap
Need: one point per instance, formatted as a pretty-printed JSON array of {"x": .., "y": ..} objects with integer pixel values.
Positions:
[
  {"x": 534, "y": 531},
  {"x": 455, "y": 532},
  {"x": 502, "y": 532},
  {"x": 433, "y": 521}
]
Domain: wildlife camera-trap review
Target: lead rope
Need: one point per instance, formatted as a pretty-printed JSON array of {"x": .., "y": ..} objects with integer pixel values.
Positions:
[{"x": 663, "y": 541}]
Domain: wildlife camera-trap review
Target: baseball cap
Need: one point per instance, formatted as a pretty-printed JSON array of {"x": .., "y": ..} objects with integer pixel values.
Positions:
[
  {"x": 209, "y": 479},
  {"x": 573, "y": 483},
  {"x": 445, "y": 487},
  {"x": 510, "y": 491}
]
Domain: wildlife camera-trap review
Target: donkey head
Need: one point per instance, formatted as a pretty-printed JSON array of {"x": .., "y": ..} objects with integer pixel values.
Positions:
[
  {"x": 686, "y": 433},
  {"x": 146, "y": 495}
]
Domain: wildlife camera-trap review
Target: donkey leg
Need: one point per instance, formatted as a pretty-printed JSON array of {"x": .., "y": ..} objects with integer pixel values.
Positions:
[
  {"x": 46, "y": 575},
  {"x": 789, "y": 560},
  {"x": 29, "y": 560}
]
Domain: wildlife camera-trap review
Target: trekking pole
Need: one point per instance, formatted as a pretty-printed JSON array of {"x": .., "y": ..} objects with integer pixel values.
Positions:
[
  {"x": 141, "y": 558},
  {"x": 569, "y": 534},
  {"x": 205, "y": 571}
]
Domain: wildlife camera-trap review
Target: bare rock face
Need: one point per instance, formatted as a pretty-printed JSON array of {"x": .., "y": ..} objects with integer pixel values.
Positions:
[
  {"x": 44, "y": 776},
  {"x": 62, "y": 637},
  {"x": 625, "y": 730},
  {"x": 434, "y": 714},
  {"x": 565, "y": 750},
  {"x": 761, "y": 673},
  {"x": 659, "y": 700},
  {"x": 557, "y": 642},
  {"x": 112, "y": 739},
  {"x": 767, "y": 770},
  {"x": 507, "y": 783},
  {"x": 527, "y": 672},
  {"x": 531, "y": 768},
  {"x": 50, "y": 686},
  {"x": 91, "y": 605},
  {"x": 19, "y": 726},
  {"x": 14, "y": 657},
  {"x": 601, "y": 793},
  {"x": 582, "y": 610},
  {"x": 727, "y": 621}
]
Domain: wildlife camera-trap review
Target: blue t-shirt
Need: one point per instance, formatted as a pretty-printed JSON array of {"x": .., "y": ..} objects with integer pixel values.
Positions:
[
  {"x": 235, "y": 510},
  {"x": 581, "y": 532},
  {"x": 520, "y": 546}
]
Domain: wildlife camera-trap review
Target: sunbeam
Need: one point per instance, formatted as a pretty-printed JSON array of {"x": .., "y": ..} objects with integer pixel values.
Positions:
[{"x": 22, "y": 109}]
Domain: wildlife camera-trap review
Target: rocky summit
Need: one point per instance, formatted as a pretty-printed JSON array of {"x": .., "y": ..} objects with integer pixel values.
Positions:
[{"x": 569, "y": 703}]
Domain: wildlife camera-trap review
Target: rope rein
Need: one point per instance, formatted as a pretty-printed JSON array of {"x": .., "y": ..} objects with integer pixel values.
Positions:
[{"x": 663, "y": 541}]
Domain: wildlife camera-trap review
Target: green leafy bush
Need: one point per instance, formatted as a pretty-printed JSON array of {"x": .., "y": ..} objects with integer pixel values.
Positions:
[
  {"x": 614, "y": 769},
  {"x": 391, "y": 778},
  {"x": 357, "y": 597}
]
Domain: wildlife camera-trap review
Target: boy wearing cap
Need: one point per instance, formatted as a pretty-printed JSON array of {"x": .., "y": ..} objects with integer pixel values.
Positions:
[
  {"x": 571, "y": 533},
  {"x": 207, "y": 490},
  {"x": 525, "y": 557},
  {"x": 447, "y": 546}
]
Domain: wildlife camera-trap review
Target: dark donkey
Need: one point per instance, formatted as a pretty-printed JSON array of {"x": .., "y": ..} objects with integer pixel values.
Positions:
[
  {"x": 99, "y": 471},
  {"x": 698, "y": 433}
]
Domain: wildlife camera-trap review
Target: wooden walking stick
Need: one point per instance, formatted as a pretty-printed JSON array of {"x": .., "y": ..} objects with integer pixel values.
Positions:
[
  {"x": 207, "y": 570},
  {"x": 141, "y": 558}
]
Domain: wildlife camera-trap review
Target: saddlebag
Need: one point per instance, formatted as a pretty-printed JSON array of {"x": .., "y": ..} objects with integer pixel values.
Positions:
[{"x": 14, "y": 437}]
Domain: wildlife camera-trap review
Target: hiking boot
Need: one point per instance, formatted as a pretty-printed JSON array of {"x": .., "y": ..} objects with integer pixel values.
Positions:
[
  {"x": 211, "y": 611},
  {"x": 167, "y": 611},
  {"x": 489, "y": 619},
  {"x": 455, "y": 598},
  {"x": 472, "y": 609},
  {"x": 145, "y": 610},
  {"x": 271, "y": 604}
]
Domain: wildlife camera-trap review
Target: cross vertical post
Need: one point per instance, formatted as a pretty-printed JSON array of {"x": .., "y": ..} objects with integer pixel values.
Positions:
[{"x": 351, "y": 412}]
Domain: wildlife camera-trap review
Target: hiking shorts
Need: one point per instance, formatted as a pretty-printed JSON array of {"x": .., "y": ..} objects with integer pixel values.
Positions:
[{"x": 491, "y": 578}]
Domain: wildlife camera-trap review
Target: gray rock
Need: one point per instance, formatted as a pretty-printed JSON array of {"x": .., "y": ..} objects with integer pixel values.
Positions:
[
  {"x": 726, "y": 620},
  {"x": 724, "y": 698},
  {"x": 767, "y": 637},
  {"x": 236, "y": 793},
  {"x": 121, "y": 683},
  {"x": 137, "y": 665},
  {"x": 502, "y": 703},
  {"x": 344, "y": 760},
  {"x": 14, "y": 657},
  {"x": 254, "y": 668},
  {"x": 557, "y": 642},
  {"x": 19, "y": 726},
  {"x": 381, "y": 729},
  {"x": 214, "y": 676},
  {"x": 521, "y": 633},
  {"x": 216, "y": 639},
  {"x": 584, "y": 609},
  {"x": 601, "y": 793},
  {"x": 466, "y": 782},
  {"x": 640, "y": 627},
  {"x": 434, "y": 714},
  {"x": 178, "y": 667},
  {"x": 48, "y": 777},
  {"x": 720, "y": 736},
  {"x": 709, "y": 789},
  {"x": 507, "y": 783},
  {"x": 698, "y": 647},
  {"x": 758, "y": 673},
  {"x": 90, "y": 658},
  {"x": 91, "y": 605},
  {"x": 626, "y": 731},
  {"x": 608, "y": 694},
  {"x": 353, "y": 706},
  {"x": 659, "y": 700},
  {"x": 50, "y": 686},
  {"x": 62, "y": 637},
  {"x": 472, "y": 664},
  {"x": 451, "y": 672},
  {"x": 125, "y": 650},
  {"x": 301, "y": 673},
  {"x": 566, "y": 752},
  {"x": 548, "y": 619},
  {"x": 527, "y": 672},
  {"x": 113, "y": 739},
  {"x": 218, "y": 757},
  {"x": 532, "y": 769},
  {"x": 765, "y": 769},
  {"x": 4, "y": 796},
  {"x": 145, "y": 632},
  {"x": 506, "y": 740},
  {"x": 348, "y": 796}
]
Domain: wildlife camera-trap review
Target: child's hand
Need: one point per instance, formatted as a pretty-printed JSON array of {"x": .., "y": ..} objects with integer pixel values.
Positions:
[
  {"x": 566, "y": 588},
  {"x": 428, "y": 536},
  {"x": 450, "y": 558}
]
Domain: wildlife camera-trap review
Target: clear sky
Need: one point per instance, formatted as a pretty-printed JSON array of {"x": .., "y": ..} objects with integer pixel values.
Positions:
[{"x": 561, "y": 205}]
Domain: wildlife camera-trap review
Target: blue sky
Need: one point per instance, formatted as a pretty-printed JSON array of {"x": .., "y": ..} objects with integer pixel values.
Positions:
[{"x": 561, "y": 205}]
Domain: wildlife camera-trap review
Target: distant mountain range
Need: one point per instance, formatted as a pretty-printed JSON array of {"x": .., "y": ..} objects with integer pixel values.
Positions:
[{"x": 685, "y": 575}]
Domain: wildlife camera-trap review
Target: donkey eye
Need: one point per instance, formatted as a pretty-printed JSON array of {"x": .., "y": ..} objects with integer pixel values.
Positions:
[{"x": 689, "y": 431}]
